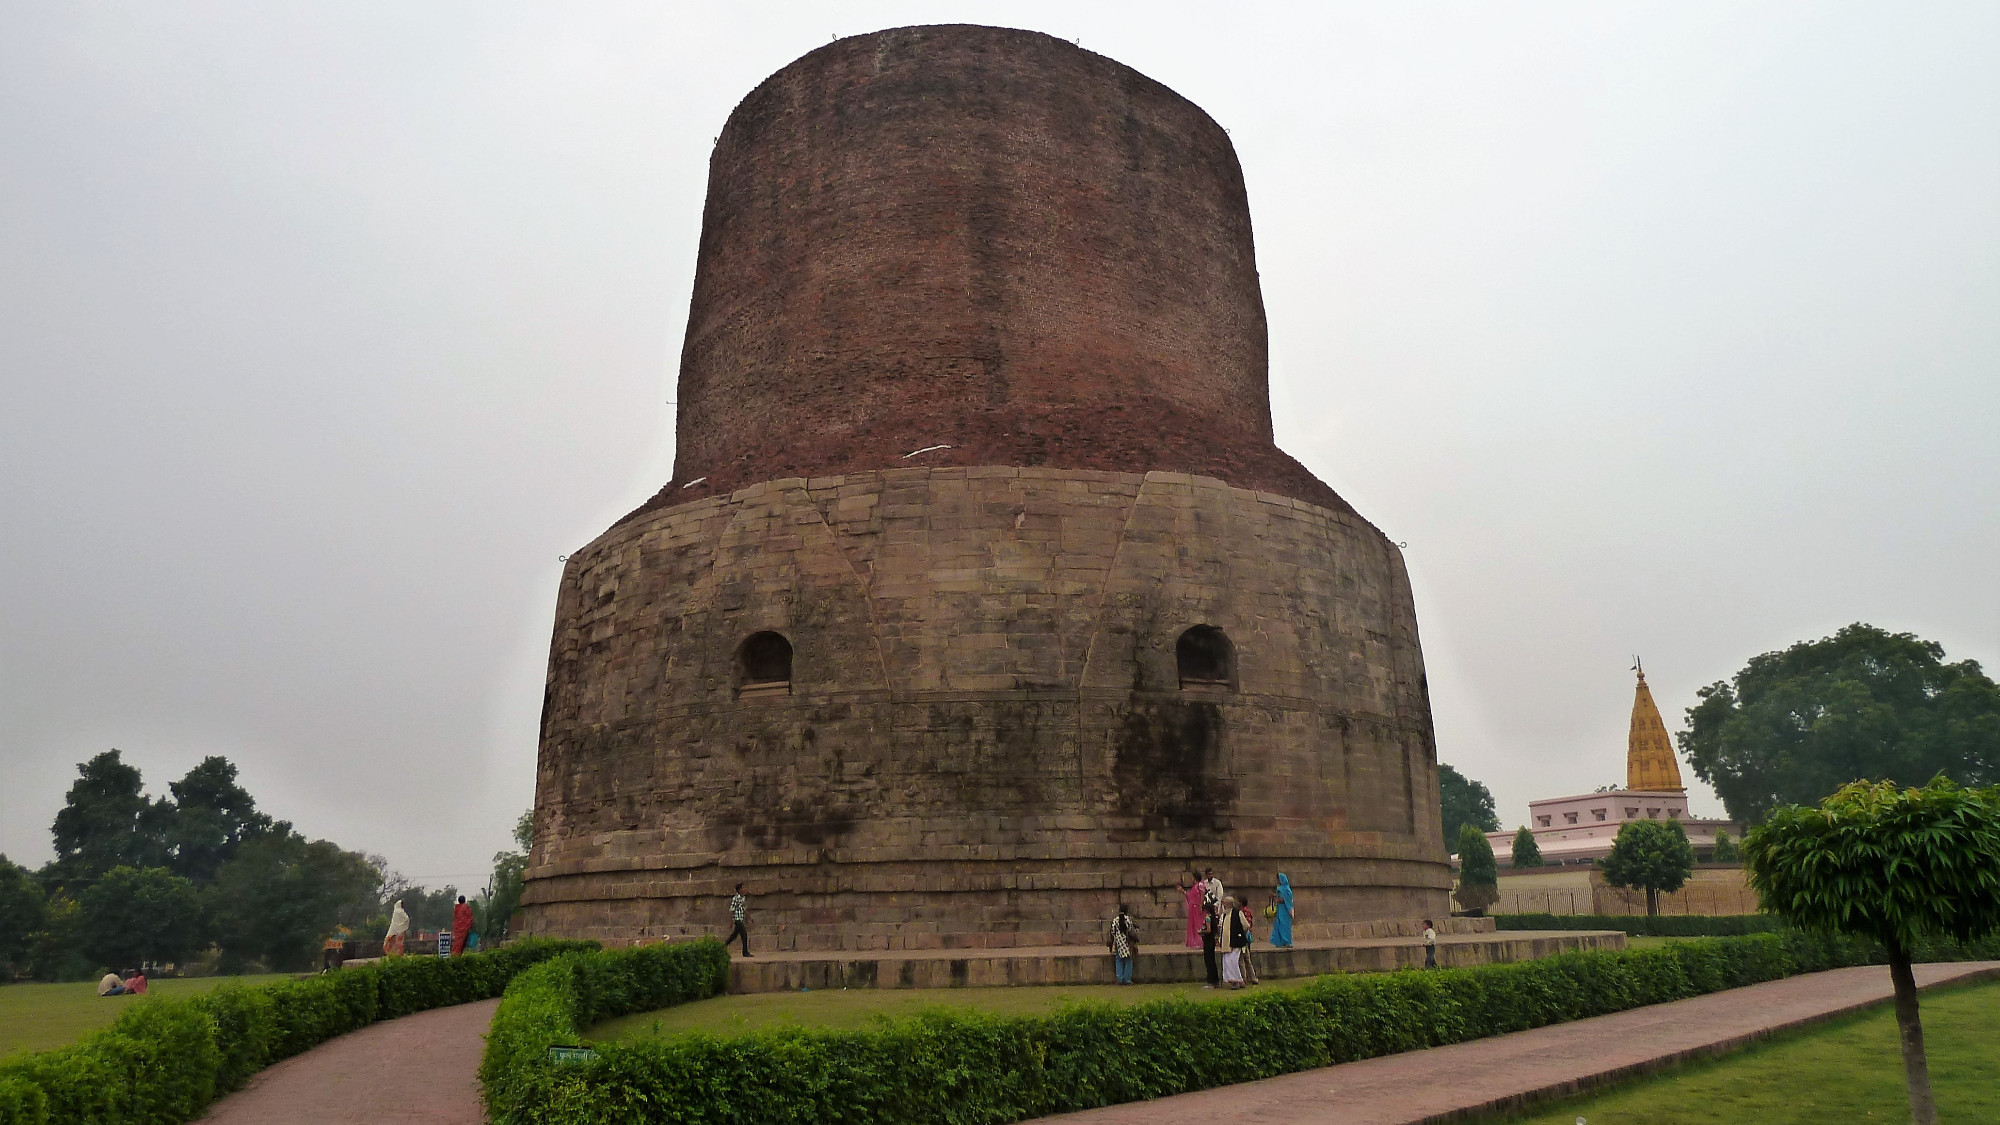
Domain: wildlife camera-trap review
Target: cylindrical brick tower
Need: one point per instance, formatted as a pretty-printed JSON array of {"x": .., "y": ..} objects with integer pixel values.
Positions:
[{"x": 981, "y": 600}]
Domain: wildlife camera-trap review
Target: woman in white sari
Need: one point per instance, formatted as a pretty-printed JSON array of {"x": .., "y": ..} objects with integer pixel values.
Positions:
[{"x": 399, "y": 928}]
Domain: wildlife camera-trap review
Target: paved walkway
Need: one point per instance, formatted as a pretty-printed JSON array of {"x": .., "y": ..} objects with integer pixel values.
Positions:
[
  {"x": 421, "y": 1068},
  {"x": 1511, "y": 1071}
]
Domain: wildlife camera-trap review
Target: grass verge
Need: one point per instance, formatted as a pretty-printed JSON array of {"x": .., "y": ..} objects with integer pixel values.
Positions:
[
  {"x": 1850, "y": 1070},
  {"x": 42, "y": 1017},
  {"x": 852, "y": 1008}
]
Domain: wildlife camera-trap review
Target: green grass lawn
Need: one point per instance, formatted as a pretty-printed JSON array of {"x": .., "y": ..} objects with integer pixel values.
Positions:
[
  {"x": 1851, "y": 1070},
  {"x": 861, "y": 1007},
  {"x": 36, "y": 1017}
]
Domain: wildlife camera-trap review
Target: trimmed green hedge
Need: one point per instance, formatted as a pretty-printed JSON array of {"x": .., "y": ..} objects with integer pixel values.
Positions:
[
  {"x": 164, "y": 1061},
  {"x": 965, "y": 1069},
  {"x": 1639, "y": 925},
  {"x": 550, "y": 1002}
]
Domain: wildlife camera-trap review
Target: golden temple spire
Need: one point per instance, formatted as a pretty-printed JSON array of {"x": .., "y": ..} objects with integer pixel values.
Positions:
[{"x": 1649, "y": 753}]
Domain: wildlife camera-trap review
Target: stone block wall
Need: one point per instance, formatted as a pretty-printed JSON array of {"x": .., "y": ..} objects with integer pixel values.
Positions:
[{"x": 984, "y": 741}]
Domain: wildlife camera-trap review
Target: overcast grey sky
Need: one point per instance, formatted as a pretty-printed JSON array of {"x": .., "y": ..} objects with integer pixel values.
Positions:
[{"x": 324, "y": 329}]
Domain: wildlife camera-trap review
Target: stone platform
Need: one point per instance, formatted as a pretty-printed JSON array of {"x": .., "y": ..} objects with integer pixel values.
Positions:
[{"x": 1156, "y": 964}]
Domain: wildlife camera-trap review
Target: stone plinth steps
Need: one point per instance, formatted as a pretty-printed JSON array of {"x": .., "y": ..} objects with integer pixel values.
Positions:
[{"x": 1156, "y": 964}]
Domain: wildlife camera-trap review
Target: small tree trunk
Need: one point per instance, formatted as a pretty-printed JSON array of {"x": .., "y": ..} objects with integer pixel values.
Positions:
[
  {"x": 1652, "y": 903},
  {"x": 1910, "y": 1028}
]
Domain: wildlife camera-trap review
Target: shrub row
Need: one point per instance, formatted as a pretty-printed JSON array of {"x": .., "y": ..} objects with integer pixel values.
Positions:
[
  {"x": 1639, "y": 925},
  {"x": 971, "y": 1068},
  {"x": 164, "y": 1061},
  {"x": 547, "y": 1005}
]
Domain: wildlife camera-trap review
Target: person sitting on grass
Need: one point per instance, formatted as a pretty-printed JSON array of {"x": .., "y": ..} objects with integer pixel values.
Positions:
[
  {"x": 135, "y": 982},
  {"x": 111, "y": 985}
]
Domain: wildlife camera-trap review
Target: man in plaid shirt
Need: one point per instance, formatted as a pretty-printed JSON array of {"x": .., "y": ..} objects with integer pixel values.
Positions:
[{"x": 737, "y": 905}]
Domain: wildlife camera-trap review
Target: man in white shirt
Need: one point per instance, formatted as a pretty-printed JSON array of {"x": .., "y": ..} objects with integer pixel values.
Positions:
[{"x": 1430, "y": 945}]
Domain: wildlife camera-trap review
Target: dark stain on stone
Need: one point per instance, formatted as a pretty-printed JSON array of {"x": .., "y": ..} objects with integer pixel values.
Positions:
[{"x": 1167, "y": 769}]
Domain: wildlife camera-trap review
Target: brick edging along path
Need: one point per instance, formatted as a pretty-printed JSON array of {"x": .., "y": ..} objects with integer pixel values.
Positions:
[{"x": 1507, "y": 1072}]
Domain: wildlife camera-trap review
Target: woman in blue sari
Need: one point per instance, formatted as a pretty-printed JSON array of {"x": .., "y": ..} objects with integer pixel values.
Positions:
[{"x": 1281, "y": 923}]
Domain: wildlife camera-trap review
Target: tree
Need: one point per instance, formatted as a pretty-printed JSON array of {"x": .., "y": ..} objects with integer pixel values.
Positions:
[
  {"x": 280, "y": 896},
  {"x": 1725, "y": 851},
  {"x": 23, "y": 912},
  {"x": 1465, "y": 802},
  {"x": 132, "y": 915},
  {"x": 1478, "y": 874},
  {"x": 212, "y": 817},
  {"x": 1650, "y": 854},
  {"x": 1899, "y": 865},
  {"x": 1796, "y": 725},
  {"x": 107, "y": 822},
  {"x": 1527, "y": 853},
  {"x": 504, "y": 887}
]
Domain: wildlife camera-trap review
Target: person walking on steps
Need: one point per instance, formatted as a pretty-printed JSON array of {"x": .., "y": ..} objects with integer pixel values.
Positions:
[
  {"x": 1123, "y": 945},
  {"x": 1211, "y": 926},
  {"x": 1194, "y": 891},
  {"x": 738, "y": 907},
  {"x": 1280, "y": 913},
  {"x": 1430, "y": 945},
  {"x": 1235, "y": 937}
]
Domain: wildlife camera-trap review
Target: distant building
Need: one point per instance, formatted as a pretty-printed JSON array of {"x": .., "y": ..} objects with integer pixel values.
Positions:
[{"x": 1580, "y": 829}]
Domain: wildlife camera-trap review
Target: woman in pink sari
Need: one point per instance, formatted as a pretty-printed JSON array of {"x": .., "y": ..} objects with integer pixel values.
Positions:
[{"x": 1192, "y": 890}]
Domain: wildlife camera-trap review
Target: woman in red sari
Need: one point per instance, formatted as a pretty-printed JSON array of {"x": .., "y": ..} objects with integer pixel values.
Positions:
[
  {"x": 1192, "y": 891},
  {"x": 461, "y": 926}
]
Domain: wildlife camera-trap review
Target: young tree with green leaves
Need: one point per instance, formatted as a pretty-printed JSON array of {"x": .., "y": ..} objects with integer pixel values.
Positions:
[
  {"x": 1527, "y": 853},
  {"x": 1797, "y": 725},
  {"x": 132, "y": 915},
  {"x": 1725, "y": 849},
  {"x": 1899, "y": 865},
  {"x": 1465, "y": 801},
  {"x": 1653, "y": 855},
  {"x": 1478, "y": 873},
  {"x": 504, "y": 887}
]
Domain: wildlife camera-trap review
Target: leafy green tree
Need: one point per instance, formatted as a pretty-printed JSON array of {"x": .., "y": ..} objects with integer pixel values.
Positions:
[
  {"x": 1527, "y": 853},
  {"x": 212, "y": 817},
  {"x": 1725, "y": 849},
  {"x": 151, "y": 914},
  {"x": 280, "y": 896},
  {"x": 1478, "y": 873},
  {"x": 1899, "y": 865},
  {"x": 56, "y": 952},
  {"x": 504, "y": 887},
  {"x": 1797, "y": 725},
  {"x": 1653, "y": 855},
  {"x": 23, "y": 912},
  {"x": 107, "y": 821},
  {"x": 1465, "y": 802}
]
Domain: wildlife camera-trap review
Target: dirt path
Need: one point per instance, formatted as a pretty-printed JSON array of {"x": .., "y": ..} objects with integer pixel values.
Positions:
[
  {"x": 420, "y": 1068},
  {"x": 1528, "y": 1067}
]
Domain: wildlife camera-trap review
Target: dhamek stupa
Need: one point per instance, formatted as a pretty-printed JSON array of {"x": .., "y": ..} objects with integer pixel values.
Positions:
[
  {"x": 981, "y": 599},
  {"x": 1577, "y": 829}
]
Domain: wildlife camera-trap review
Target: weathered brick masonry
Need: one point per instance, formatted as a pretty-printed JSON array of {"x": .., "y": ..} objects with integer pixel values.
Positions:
[
  {"x": 980, "y": 238},
  {"x": 980, "y": 696}
]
